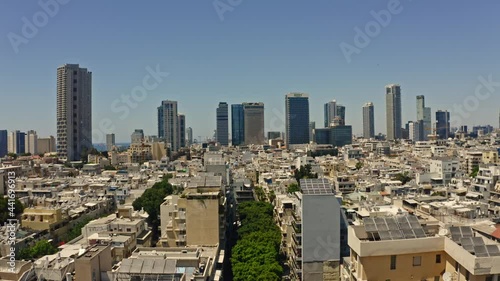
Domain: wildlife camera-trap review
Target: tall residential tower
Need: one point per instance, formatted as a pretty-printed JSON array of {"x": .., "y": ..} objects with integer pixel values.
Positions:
[
  {"x": 368, "y": 120},
  {"x": 393, "y": 111},
  {"x": 74, "y": 111},
  {"x": 168, "y": 124}
]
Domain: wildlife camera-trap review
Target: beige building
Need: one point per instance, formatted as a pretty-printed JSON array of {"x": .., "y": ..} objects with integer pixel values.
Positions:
[
  {"x": 42, "y": 218},
  {"x": 400, "y": 248},
  {"x": 490, "y": 157},
  {"x": 46, "y": 145},
  {"x": 183, "y": 264},
  {"x": 95, "y": 261},
  {"x": 196, "y": 217}
]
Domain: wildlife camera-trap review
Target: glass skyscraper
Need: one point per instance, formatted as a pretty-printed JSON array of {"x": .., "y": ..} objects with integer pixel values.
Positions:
[
  {"x": 237, "y": 124},
  {"x": 443, "y": 124},
  {"x": 297, "y": 118},
  {"x": 3, "y": 143},
  {"x": 222, "y": 124}
]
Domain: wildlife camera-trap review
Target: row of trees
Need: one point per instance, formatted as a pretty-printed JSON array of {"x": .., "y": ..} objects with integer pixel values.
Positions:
[{"x": 256, "y": 254}]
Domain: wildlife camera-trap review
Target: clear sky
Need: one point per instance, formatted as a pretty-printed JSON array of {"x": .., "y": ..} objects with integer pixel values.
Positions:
[{"x": 257, "y": 51}]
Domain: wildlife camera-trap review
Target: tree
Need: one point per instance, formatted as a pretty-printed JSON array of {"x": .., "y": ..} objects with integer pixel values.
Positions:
[
  {"x": 151, "y": 200},
  {"x": 256, "y": 254},
  {"x": 109, "y": 168},
  {"x": 474, "y": 172},
  {"x": 359, "y": 165},
  {"x": 293, "y": 187},
  {"x": 403, "y": 177},
  {"x": 305, "y": 172},
  {"x": 40, "y": 249},
  {"x": 12, "y": 155}
]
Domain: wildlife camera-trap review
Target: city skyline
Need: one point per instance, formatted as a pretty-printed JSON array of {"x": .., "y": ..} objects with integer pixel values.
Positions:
[{"x": 263, "y": 73}]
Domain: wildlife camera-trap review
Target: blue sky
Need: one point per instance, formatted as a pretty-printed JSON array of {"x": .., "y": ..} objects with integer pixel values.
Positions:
[{"x": 259, "y": 51}]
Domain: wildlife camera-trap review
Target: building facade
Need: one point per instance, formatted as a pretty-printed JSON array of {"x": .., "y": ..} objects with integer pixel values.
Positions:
[
  {"x": 16, "y": 142},
  {"x": 424, "y": 115},
  {"x": 330, "y": 112},
  {"x": 222, "y": 114},
  {"x": 336, "y": 135},
  {"x": 110, "y": 141},
  {"x": 237, "y": 124},
  {"x": 182, "y": 129},
  {"x": 46, "y": 145},
  {"x": 168, "y": 124},
  {"x": 74, "y": 111},
  {"x": 368, "y": 121},
  {"x": 443, "y": 124},
  {"x": 137, "y": 136},
  {"x": 189, "y": 136},
  {"x": 297, "y": 118},
  {"x": 253, "y": 120},
  {"x": 393, "y": 111},
  {"x": 3, "y": 143}
]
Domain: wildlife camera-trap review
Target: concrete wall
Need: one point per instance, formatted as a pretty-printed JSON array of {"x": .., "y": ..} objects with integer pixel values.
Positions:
[{"x": 202, "y": 221}]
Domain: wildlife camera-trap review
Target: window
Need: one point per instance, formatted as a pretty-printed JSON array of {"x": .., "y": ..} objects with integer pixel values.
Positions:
[
  {"x": 74, "y": 90},
  {"x": 75, "y": 72},
  {"x": 436, "y": 278},
  {"x": 74, "y": 81},
  {"x": 393, "y": 262},
  {"x": 438, "y": 258},
  {"x": 467, "y": 275},
  {"x": 417, "y": 261},
  {"x": 456, "y": 266}
]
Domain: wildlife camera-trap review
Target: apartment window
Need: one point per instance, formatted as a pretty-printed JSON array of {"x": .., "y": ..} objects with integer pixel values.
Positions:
[
  {"x": 438, "y": 258},
  {"x": 436, "y": 278},
  {"x": 74, "y": 98},
  {"x": 74, "y": 90},
  {"x": 129, "y": 230},
  {"x": 393, "y": 262},
  {"x": 467, "y": 275},
  {"x": 489, "y": 278},
  {"x": 417, "y": 261},
  {"x": 74, "y": 81},
  {"x": 456, "y": 266},
  {"x": 75, "y": 72}
]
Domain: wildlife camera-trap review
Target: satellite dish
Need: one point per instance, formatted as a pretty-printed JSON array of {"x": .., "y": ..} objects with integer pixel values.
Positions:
[{"x": 447, "y": 276}]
